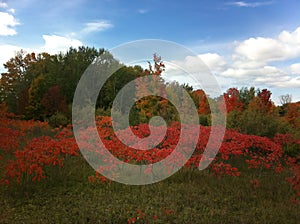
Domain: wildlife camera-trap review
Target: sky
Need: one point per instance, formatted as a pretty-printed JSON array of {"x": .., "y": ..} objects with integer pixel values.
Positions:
[{"x": 244, "y": 43}]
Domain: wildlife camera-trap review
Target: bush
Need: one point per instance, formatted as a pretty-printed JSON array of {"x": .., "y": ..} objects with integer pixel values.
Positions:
[
  {"x": 292, "y": 150},
  {"x": 258, "y": 123},
  {"x": 58, "y": 119},
  {"x": 204, "y": 120}
]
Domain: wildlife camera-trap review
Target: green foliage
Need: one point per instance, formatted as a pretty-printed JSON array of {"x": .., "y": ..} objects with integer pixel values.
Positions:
[
  {"x": 247, "y": 95},
  {"x": 73, "y": 65},
  {"x": 292, "y": 150},
  {"x": 30, "y": 76},
  {"x": 58, "y": 119},
  {"x": 258, "y": 123},
  {"x": 204, "y": 119},
  {"x": 234, "y": 119},
  {"x": 115, "y": 83}
]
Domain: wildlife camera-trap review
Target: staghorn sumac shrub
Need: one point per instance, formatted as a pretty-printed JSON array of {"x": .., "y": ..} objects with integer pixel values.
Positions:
[{"x": 37, "y": 153}]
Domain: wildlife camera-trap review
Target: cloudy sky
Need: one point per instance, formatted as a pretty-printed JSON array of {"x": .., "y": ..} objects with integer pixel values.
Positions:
[{"x": 244, "y": 43}]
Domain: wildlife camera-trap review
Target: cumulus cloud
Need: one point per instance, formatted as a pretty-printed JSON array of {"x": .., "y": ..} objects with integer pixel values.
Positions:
[
  {"x": 199, "y": 63},
  {"x": 256, "y": 60},
  {"x": 3, "y": 5},
  {"x": 282, "y": 81},
  {"x": 55, "y": 44},
  {"x": 7, "y": 24},
  {"x": 197, "y": 71},
  {"x": 7, "y": 20},
  {"x": 214, "y": 61},
  {"x": 295, "y": 68},
  {"x": 12, "y": 11},
  {"x": 249, "y": 73},
  {"x": 96, "y": 26},
  {"x": 7, "y": 52},
  {"x": 285, "y": 46}
]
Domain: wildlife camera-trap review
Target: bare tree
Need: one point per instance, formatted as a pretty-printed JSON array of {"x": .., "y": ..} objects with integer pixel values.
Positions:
[{"x": 285, "y": 99}]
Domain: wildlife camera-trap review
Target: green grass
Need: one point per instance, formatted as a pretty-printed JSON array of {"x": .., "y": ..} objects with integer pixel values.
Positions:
[{"x": 193, "y": 196}]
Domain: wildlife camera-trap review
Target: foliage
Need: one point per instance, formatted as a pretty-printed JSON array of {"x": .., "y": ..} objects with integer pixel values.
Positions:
[
  {"x": 260, "y": 149},
  {"x": 38, "y": 86},
  {"x": 31, "y": 157},
  {"x": 58, "y": 119}
]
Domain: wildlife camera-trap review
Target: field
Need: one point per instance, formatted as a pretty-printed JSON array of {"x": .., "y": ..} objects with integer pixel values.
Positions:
[
  {"x": 45, "y": 179},
  {"x": 187, "y": 197}
]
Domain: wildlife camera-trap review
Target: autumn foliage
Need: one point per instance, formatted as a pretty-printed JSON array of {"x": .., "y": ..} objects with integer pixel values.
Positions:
[
  {"x": 261, "y": 135},
  {"x": 30, "y": 156}
]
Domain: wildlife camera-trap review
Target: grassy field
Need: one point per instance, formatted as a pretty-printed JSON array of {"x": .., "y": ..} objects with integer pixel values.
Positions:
[{"x": 66, "y": 196}]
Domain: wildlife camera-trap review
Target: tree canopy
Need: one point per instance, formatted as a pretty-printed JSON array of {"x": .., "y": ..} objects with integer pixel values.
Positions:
[{"x": 41, "y": 86}]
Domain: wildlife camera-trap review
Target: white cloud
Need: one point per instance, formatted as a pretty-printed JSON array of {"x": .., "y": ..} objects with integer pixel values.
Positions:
[
  {"x": 249, "y": 4},
  {"x": 283, "y": 81},
  {"x": 214, "y": 61},
  {"x": 285, "y": 46},
  {"x": 295, "y": 68},
  {"x": 197, "y": 71},
  {"x": 55, "y": 44},
  {"x": 12, "y": 11},
  {"x": 96, "y": 26},
  {"x": 250, "y": 73},
  {"x": 199, "y": 63},
  {"x": 247, "y": 64},
  {"x": 7, "y": 52},
  {"x": 3, "y": 5},
  {"x": 251, "y": 60},
  {"x": 7, "y": 24}
]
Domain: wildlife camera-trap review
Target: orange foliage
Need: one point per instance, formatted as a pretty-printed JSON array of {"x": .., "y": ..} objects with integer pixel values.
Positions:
[
  {"x": 232, "y": 100},
  {"x": 293, "y": 114},
  {"x": 202, "y": 101}
]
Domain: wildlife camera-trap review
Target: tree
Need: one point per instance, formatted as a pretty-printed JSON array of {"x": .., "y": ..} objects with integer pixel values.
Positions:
[
  {"x": 201, "y": 101},
  {"x": 234, "y": 107},
  {"x": 261, "y": 117},
  {"x": 36, "y": 91},
  {"x": 233, "y": 100},
  {"x": 150, "y": 84},
  {"x": 53, "y": 102},
  {"x": 264, "y": 100},
  {"x": 285, "y": 99},
  {"x": 73, "y": 65},
  {"x": 292, "y": 114},
  {"x": 115, "y": 83},
  {"x": 246, "y": 95},
  {"x": 14, "y": 80},
  {"x": 23, "y": 102}
]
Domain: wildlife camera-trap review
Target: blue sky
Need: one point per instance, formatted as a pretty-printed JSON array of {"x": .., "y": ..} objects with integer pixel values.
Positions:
[{"x": 243, "y": 42}]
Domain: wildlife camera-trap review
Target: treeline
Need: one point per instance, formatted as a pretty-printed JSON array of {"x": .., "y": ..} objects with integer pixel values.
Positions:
[{"x": 41, "y": 87}]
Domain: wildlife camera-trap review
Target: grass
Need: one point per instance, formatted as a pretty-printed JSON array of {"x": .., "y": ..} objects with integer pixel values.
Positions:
[{"x": 65, "y": 196}]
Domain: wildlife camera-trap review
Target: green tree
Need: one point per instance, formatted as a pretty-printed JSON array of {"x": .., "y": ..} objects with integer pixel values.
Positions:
[
  {"x": 247, "y": 95},
  {"x": 74, "y": 63},
  {"x": 261, "y": 117}
]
